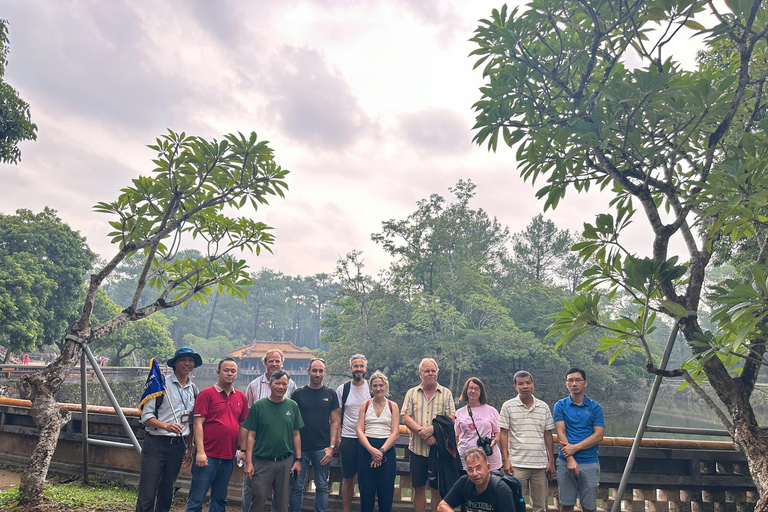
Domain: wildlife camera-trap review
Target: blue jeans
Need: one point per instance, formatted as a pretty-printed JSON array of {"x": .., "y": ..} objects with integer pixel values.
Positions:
[
  {"x": 320, "y": 474},
  {"x": 214, "y": 476}
]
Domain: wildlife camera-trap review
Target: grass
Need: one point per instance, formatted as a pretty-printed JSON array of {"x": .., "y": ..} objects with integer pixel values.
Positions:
[{"x": 98, "y": 495}]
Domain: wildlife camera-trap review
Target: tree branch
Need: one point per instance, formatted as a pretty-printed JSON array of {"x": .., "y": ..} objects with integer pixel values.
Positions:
[{"x": 707, "y": 400}]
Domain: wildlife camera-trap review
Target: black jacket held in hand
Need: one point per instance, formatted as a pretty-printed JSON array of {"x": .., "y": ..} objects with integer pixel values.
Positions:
[{"x": 444, "y": 463}]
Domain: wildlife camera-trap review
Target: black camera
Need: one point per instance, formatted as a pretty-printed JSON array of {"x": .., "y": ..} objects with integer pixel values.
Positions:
[{"x": 485, "y": 444}]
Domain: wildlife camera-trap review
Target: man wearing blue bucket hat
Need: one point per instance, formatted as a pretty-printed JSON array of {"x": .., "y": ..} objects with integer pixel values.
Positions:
[{"x": 168, "y": 420}]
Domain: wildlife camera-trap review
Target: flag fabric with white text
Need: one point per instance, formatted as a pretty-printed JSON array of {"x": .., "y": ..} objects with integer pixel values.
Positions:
[{"x": 155, "y": 385}]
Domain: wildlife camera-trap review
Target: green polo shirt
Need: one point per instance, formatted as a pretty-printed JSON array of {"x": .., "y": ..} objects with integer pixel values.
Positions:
[{"x": 274, "y": 424}]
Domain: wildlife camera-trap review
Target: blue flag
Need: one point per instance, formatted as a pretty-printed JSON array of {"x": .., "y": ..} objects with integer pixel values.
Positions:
[{"x": 155, "y": 385}]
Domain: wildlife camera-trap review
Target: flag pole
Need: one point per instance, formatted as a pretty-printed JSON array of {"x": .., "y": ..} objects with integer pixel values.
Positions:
[{"x": 173, "y": 410}]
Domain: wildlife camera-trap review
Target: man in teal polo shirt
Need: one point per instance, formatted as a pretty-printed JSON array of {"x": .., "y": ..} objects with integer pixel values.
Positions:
[
  {"x": 580, "y": 426},
  {"x": 274, "y": 442}
]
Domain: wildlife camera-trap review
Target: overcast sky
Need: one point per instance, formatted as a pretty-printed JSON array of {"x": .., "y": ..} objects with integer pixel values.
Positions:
[{"x": 367, "y": 103}]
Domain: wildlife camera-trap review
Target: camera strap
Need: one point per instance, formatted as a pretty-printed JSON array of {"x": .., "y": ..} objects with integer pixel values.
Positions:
[{"x": 472, "y": 417}]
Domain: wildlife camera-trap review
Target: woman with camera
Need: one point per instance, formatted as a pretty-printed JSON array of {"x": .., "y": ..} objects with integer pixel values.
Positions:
[
  {"x": 378, "y": 427},
  {"x": 477, "y": 424}
]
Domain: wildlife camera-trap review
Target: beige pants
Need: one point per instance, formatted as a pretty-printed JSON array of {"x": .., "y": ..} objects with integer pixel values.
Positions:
[{"x": 535, "y": 485}]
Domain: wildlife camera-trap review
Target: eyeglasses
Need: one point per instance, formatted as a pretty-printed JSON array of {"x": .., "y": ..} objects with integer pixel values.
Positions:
[
  {"x": 574, "y": 381},
  {"x": 317, "y": 359}
]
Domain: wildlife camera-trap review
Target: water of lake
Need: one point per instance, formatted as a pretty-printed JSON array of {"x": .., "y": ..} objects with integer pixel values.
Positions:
[{"x": 669, "y": 412}]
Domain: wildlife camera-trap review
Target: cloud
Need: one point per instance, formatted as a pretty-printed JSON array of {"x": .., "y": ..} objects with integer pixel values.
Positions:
[
  {"x": 224, "y": 23},
  {"x": 94, "y": 61},
  {"x": 436, "y": 130},
  {"x": 311, "y": 236},
  {"x": 313, "y": 103}
]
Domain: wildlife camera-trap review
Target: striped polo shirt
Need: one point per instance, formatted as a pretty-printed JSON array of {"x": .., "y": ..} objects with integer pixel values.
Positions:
[
  {"x": 423, "y": 411},
  {"x": 526, "y": 432}
]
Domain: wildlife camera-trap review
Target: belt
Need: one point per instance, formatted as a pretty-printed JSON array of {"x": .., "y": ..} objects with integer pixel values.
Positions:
[
  {"x": 168, "y": 439},
  {"x": 275, "y": 459}
]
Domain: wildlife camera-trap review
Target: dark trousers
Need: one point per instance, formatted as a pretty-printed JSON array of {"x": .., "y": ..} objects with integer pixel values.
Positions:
[
  {"x": 160, "y": 465},
  {"x": 376, "y": 481}
]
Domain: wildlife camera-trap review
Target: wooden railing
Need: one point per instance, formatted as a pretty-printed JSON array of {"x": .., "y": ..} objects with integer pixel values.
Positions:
[{"x": 668, "y": 475}]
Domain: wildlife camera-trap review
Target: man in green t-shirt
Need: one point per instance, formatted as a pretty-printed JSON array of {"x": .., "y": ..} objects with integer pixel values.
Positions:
[{"x": 272, "y": 427}]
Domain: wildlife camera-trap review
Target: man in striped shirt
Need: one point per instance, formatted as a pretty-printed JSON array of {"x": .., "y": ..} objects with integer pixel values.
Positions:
[
  {"x": 525, "y": 440},
  {"x": 422, "y": 403}
]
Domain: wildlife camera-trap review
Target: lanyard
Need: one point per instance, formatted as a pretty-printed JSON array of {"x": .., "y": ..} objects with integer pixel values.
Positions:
[{"x": 178, "y": 390}]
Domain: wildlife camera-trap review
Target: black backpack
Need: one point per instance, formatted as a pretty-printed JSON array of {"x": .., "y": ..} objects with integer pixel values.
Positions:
[
  {"x": 513, "y": 483},
  {"x": 344, "y": 396}
]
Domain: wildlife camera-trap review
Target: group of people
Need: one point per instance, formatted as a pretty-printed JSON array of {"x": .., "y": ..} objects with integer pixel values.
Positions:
[{"x": 276, "y": 431}]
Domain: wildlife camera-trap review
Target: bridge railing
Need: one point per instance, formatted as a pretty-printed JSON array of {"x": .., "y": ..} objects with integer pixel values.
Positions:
[{"x": 668, "y": 475}]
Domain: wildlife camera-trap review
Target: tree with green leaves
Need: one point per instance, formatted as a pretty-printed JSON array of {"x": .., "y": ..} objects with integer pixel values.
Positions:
[
  {"x": 145, "y": 338},
  {"x": 541, "y": 247},
  {"x": 594, "y": 98},
  {"x": 15, "y": 122},
  {"x": 438, "y": 238},
  {"x": 451, "y": 293},
  {"x": 194, "y": 189},
  {"x": 62, "y": 256},
  {"x": 24, "y": 289},
  {"x": 210, "y": 349}
]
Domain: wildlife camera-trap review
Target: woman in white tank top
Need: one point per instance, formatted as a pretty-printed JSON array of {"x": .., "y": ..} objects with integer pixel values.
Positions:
[{"x": 378, "y": 427}]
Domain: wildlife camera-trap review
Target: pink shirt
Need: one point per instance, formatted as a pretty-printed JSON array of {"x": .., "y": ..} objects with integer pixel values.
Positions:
[{"x": 487, "y": 421}]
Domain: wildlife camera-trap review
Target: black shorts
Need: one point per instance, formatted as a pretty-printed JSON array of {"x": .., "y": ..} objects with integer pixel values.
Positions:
[
  {"x": 419, "y": 471},
  {"x": 348, "y": 456}
]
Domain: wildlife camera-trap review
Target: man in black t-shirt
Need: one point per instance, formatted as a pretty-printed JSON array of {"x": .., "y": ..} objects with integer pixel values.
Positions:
[
  {"x": 478, "y": 490},
  {"x": 319, "y": 406}
]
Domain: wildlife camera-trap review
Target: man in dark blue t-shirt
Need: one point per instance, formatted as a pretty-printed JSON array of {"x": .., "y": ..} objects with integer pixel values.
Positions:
[
  {"x": 488, "y": 494},
  {"x": 319, "y": 406},
  {"x": 580, "y": 425}
]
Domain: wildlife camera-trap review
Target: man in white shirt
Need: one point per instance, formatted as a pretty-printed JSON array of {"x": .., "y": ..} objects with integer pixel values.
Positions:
[
  {"x": 527, "y": 449},
  {"x": 351, "y": 396},
  {"x": 167, "y": 420},
  {"x": 258, "y": 389}
]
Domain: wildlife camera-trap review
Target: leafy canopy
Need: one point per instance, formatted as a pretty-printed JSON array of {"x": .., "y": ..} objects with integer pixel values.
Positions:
[
  {"x": 592, "y": 97},
  {"x": 15, "y": 121},
  {"x": 53, "y": 254},
  {"x": 194, "y": 189}
]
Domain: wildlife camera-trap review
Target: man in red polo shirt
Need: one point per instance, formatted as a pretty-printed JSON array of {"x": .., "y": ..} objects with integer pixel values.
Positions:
[{"x": 219, "y": 412}]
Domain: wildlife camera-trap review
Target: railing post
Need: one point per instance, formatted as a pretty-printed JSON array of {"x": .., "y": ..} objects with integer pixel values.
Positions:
[
  {"x": 112, "y": 399},
  {"x": 644, "y": 419},
  {"x": 84, "y": 413}
]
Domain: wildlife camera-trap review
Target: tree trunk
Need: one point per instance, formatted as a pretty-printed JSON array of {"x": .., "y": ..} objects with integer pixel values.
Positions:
[
  {"x": 297, "y": 332},
  {"x": 49, "y": 417},
  {"x": 256, "y": 322},
  {"x": 748, "y": 436},
  {"x": 210, "y": 319},
  {"x": 753, "y": 441}
]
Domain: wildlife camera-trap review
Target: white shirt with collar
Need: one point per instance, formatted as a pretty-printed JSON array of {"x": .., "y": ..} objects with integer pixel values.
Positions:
[
  {"x": 183, "y": 400},
  {"x": 259, "y": 388}
]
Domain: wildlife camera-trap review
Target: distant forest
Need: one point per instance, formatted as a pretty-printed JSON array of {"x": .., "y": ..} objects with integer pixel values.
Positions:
[{"x": 460, "y": 288}]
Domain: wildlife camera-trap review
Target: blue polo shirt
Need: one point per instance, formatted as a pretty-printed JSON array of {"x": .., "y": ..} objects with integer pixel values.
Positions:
[{"x": 580, "y": 421}]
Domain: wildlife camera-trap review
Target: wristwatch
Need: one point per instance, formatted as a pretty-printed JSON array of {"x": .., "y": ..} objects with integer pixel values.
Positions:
[{"x": 333, "y": 447}]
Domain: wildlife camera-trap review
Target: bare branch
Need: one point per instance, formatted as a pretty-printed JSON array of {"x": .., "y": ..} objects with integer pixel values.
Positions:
[{"x": 707, "y": 400}]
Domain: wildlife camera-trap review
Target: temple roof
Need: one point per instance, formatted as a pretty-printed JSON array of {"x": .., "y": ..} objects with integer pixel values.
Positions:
[{"x": 257, "y": 349}]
